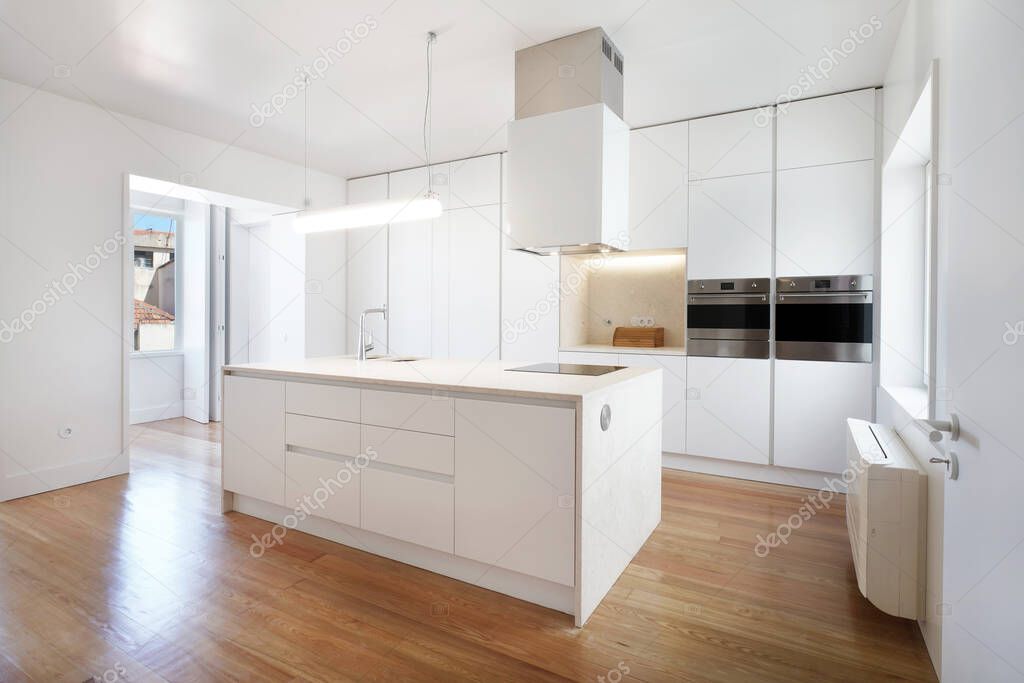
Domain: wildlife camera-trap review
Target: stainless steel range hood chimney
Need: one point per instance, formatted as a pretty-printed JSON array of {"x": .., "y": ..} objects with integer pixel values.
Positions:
[{"x": 568, "y": 158}]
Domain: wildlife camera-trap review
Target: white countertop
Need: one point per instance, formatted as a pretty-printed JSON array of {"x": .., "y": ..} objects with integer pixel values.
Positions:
[
  {"x": 447, "y": 375},
  {"x": 608, "y": 348}
]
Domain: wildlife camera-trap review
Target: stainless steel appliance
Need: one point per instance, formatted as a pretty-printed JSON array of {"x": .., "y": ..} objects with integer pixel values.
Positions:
[
  {"x": 824, "y": 318},
  {"x": 568, "y": 369},
  {"x": 728, "y": 318}
]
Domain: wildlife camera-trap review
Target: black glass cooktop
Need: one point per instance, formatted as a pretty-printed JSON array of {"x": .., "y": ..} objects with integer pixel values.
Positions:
[{"x": 569, "y": 369}]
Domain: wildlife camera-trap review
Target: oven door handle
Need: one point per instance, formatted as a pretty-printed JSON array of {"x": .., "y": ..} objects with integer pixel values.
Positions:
[
  {"x": 831, "y": 298},
  {"x": 725, "y": 299}
]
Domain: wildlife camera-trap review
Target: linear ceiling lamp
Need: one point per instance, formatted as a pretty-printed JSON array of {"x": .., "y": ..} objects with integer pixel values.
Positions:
[{"x": 377, "y": 213}]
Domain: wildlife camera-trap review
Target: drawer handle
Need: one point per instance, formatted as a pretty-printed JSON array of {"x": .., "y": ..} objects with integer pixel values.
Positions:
[{"x": 606, "y": 417}]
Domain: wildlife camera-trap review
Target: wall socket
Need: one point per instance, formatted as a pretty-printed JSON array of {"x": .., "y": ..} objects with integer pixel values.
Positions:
[{"x": 642, "y": 321}]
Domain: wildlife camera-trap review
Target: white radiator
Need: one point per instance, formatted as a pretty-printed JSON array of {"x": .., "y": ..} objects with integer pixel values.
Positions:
[{"x": 885, "y": 515}]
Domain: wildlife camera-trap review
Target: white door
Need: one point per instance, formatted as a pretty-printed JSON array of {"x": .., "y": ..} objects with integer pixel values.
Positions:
[
  {"x": 410, "y": 260},
  {"x": 194, "y": 261},
  {"x": 981, "y": 263},
  {"x": 658, "y": 168},
  {"x": 730, "y": 228}
]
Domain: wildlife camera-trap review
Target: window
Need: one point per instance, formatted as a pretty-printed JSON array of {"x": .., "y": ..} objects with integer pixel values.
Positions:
[{"x": 154, "y": 234}]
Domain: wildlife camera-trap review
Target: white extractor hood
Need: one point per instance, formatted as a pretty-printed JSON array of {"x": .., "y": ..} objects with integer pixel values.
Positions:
[{"x": 568, "y": 160}]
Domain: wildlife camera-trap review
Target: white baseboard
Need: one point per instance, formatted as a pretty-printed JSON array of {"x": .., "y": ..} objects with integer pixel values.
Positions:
[
  {"x": 538, "y": 591},
  {"x": 154, "y": 413},
  {"x": 23, "y": 484},
  {"x": 769, "y": 474}
]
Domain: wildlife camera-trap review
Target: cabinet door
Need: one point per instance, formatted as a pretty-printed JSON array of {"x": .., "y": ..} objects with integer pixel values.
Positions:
[
  {"x": 333, "y": 483},
  {"x": 658, "y": 158},
  {"x": 413, "y": 183},
  {"x": 410, "y": 274},
  {"x": 588, "y": 358},
  {"x": 474, "y": 252},
  {"x": 408, "y": 507},
  {"x": 514, "y": 489},
  {"x": 727, "y": 408},
  {"x": 812, "y": 402},
  {"x": 476, "y": 181},
  {"x": 827, "y": 130},
  {"x": 366, "y": 268},
  {"x": 253, "y": 442},
  {"x": 529, "y": 306},
  {"x": 730, "y": 228},
  {"x": 731, "y": 144},
  {"x": 673, "y": 401},
  {"x": 826, "y": 220}
]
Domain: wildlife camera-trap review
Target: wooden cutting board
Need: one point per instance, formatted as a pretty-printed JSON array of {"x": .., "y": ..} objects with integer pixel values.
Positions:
[{"x": 639, "y": 337}]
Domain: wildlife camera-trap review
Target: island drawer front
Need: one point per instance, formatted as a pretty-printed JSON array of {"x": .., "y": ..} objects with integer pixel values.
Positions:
[
  {"x": 409, "y": 508},
  {"x": 322, "y": 400},
  {"x": 332, "y": 486},
  {"x": 418, "y": 450},
  {"x": 330, "y": 436},
  {"x": 428, "y": 412}
]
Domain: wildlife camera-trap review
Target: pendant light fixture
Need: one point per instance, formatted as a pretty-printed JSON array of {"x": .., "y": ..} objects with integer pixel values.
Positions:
[{"x": 378, "y": 213}]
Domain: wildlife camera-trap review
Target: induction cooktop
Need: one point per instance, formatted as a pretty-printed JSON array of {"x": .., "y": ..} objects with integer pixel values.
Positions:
[{"x": 569, "y": 369}]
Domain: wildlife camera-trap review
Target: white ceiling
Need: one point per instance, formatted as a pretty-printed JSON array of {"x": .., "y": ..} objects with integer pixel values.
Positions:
[{"x": 201, "y": 65}]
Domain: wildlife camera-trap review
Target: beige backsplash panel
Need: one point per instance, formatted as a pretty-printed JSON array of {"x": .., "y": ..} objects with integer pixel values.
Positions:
[{"x": 603, "y": 291}]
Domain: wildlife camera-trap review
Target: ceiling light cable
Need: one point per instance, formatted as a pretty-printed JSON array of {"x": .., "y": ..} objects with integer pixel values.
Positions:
[{"x": 427, "y": 113}]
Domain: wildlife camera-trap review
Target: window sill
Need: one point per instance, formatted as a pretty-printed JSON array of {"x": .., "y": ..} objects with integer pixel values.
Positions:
[
  {"x": 914, "y": 400},
  {"x": 157, "y": 354}
]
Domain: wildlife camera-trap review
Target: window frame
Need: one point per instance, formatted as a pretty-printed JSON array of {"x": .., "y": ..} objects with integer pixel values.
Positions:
[{"x": 179, "y": 217}]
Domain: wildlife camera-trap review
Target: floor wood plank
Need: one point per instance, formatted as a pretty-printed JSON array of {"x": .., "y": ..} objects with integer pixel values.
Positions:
[{"x": 143, "y": 572}]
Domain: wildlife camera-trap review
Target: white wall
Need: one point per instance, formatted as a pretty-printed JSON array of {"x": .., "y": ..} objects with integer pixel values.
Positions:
[
  {"x": 156, "y": 383},
  {"x": 923, "y": 38},
  {"x": 54, "y": 380}
]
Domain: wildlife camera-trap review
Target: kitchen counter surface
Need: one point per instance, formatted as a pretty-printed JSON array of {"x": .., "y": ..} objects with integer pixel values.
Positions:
[{"x": 446, "y": 375}]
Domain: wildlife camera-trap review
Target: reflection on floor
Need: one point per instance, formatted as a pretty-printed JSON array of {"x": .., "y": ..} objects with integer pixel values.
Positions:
[{"x": 141, "y": 577}]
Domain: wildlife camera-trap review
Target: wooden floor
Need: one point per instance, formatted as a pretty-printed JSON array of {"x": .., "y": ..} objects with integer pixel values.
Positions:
[{"x": 141, "y": 578}]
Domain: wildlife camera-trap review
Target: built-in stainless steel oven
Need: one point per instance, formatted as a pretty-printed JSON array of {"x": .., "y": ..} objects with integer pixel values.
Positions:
[
  {"x": 824, "y": 318},
  {"x": 728, "y": 318}
]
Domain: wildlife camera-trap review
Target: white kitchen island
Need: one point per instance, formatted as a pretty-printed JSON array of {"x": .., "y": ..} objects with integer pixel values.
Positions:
[{"x": 539, "y": 486}]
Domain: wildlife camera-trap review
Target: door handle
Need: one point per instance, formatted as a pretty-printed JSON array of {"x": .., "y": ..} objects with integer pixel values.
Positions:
[
  {"x": 936, "y": 427},
  {"x": 952, "y": 465}
]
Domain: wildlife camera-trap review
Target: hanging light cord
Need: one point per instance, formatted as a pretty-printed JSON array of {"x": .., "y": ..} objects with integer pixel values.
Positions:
[{"x": 427, "y": 118}]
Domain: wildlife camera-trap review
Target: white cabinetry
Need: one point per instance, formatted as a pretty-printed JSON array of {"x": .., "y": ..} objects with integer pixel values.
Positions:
[
  {"x": 474, "y": 283},
  {"x": 730, "y": 228},
  {"x": 826, "y": 222},
  {"x": 254, "y": 438},
  {"x": 409, "y": 508},
  {"x": 514, "y": 500},
  {"x": 673, "y": 400},
  {"x": 475, "y": 182},
  {"x": 337, "y": 481},
  {"x": 813, "y": 399},
  {"x": 728, "y": 408},
  {"x": 827, "y": 130},
  {"x": 658, "y": 158},
  {"x": 410, "y": 291},
  {"x": 366, "y": 270},
  {"x": 731, "y": 144}
]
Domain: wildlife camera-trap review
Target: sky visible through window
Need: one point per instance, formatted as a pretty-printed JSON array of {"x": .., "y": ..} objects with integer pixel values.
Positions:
[{"x": 146, "y": 221}]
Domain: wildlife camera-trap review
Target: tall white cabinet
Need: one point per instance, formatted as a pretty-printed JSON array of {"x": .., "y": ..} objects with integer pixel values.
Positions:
[
  {"x": 366, "y": 268},
  {"x": 440, "y": 278}
]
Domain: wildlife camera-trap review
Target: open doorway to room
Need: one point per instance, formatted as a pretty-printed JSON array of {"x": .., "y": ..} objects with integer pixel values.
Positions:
[{"x": 215, "y": 278}]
